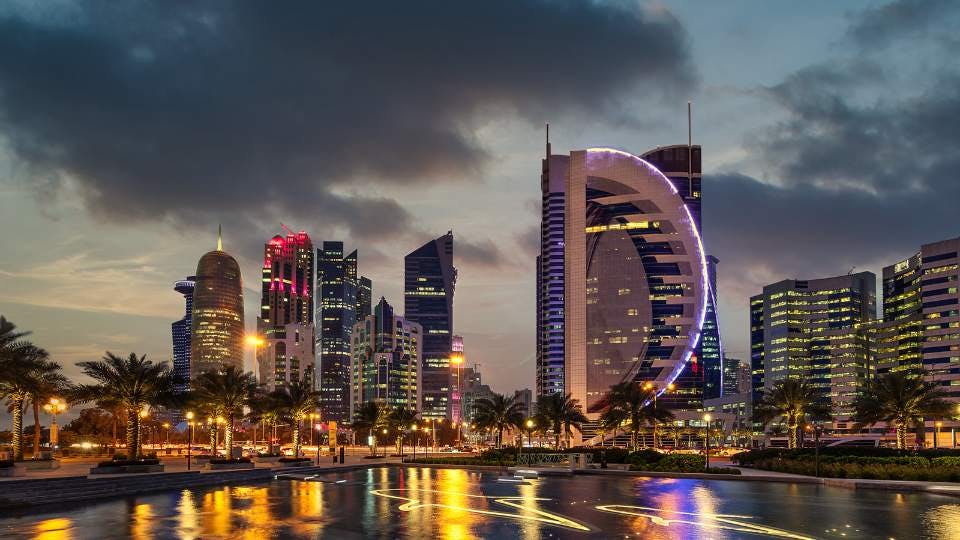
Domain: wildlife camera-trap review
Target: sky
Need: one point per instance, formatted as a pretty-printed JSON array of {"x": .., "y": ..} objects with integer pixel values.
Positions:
[{"x": 129, "y": 131}]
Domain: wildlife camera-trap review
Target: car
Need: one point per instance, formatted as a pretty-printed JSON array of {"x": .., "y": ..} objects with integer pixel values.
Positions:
[{"x": 448, "y": 450}]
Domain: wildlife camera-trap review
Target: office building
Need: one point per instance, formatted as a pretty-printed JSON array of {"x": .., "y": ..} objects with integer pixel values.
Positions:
[
  {"x": 473, "y": 391},
  {"x": 386, "y": 361},
  {"x": 429, "y": 280},
  {"x": 810, "y": 330},
  {"x": 336, "y": 312},
  {"x": 287, "y": 354},
  {"x": 217, "y": 332},
  {"x": 549, "y": 338},
  {"x": 181, "y": 330},
  {"x": 525, "y": 399},
  {"x": 635, "y": 277}
]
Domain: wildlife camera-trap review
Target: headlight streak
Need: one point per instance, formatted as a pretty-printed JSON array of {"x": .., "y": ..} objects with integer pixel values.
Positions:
[
  {"x": 515, "y": 502},
  {"x": 719, "y": 521}
]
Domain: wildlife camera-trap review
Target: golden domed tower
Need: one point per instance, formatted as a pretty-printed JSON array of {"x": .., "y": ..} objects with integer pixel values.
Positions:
[{"x": 217, "y": 339}]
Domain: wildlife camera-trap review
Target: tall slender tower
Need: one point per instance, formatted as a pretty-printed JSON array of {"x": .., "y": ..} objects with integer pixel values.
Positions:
[
  {"x": 337, "y": 310},
  {"x": 181, "y": 331},
  {"x": 217, "y": 326},
  {"x": 429, "y": 280},
  {"x": 286, "y": 311}
]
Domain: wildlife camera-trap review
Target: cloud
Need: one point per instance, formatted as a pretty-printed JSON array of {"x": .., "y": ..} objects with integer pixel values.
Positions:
[
  {"x": 482, "y": 253},
  {"x": 160, "y": 111},
  {"x": 879, "y": 26}
]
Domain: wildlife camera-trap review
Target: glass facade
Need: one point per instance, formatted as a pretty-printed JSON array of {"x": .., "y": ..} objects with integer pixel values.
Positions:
[
  {"x": 429, "y": 280},
  {"x": 635, "y": 275},
  {"x": 386, "y": 366},
  {"x": 217, "y": 327},
  {"x": 336, "y": 314},
  {"x": 181, "y": 334},
  {"x": 550, "y": 314}
]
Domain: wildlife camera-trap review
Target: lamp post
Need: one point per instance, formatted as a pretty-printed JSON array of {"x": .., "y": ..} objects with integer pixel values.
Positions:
[
  {"x": 936, "y": 433},
  {"x": 54, "y": 407},
  {"x": 144, "y": 413},
  {"x": 706, "y": 453},
  {"x": 816, "y": 429},
  {"x": 529, "y": 423},
  {"x": 166, "y": 442},
  {"x": 190, "y": 423},
  {"x": 317, "y": 428},
  {"x": 413, "y": 430},
  {"x": 653, "y": 387}
]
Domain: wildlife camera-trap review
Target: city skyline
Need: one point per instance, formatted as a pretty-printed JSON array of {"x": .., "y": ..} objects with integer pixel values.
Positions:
[{"x": 104, "y": 283}]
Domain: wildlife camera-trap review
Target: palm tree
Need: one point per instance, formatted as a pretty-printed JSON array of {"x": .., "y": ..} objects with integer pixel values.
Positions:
[
  {"x": 672, "y": 432},
  {"x": 227, "y": 392},
  {"x": 133, "y": 382},
  {"x": 22, "y": 366},
  {"x": 46, "y": 381},
  {"x": 561, "y": 412},
  {"x": 296, "y": 400},
  {"x": 900, "y": 400},
  {"x": 265, "y": 411},
  {"x": 792, "y": 400},
  {"x": 636, "y": 405},
  {"x": 370, "y": 417},
  {"x": 611, "y": 420},
  {"x": 400, "y": 419},
  {"x": 498, "y": 412}
]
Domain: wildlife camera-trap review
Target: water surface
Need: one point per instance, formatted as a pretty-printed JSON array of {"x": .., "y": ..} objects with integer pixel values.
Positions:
[{"x": 448, "y": 503}]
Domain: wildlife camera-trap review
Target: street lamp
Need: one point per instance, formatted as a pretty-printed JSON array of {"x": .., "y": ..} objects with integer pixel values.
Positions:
[
  {"x": 166, "y": 426},
  {"x": 530, "y": 423},
  {"x": 414, "y": 429},
  {"x": 816, "y": 428},
  {"x": 54, "y": 407},
  {"x": 936, "y": 433},
  {"x": 191, "y": 423},
  {"x": 706, "y": 454}
]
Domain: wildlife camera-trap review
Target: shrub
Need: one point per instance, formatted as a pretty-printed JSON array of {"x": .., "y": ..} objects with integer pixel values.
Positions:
[
  {"x": 500, "y": 455},
  {"x": 268, "y": 454},
  {"x": 6, "y": 463},
  {"x": 288, "y": 459}
]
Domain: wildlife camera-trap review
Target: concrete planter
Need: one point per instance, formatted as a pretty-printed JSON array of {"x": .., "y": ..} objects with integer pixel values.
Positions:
[
  {"x": 272, "y": 460},
  {"x": 228, "y": 466},
  {"x": 17, "y": 470},
  {"x": 127, "y": 469},
  {"x": 41, "y": 464},
  {"x": 304, "y": 463}
]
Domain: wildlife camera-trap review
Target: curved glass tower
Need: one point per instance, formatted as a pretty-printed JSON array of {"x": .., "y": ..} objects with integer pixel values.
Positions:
[
  {"x": 217, "y": 329},
  {"x": 635, "y": 276}
]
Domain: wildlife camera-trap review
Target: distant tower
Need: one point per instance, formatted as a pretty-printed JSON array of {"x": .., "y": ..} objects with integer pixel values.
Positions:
[
  {"x": 181, "y": 334},
  {"x": 217, "y": 326},
  {"x": 286, "y": 311},
  {"x": 429, "y": 280}
]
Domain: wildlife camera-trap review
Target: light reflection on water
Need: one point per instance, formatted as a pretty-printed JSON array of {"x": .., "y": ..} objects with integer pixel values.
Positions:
[{"x": 458, "y": 504}]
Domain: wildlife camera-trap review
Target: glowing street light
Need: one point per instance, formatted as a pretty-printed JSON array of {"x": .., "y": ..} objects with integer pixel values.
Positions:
[
  {"x": 706, "y": 454},
  {"x": 191, "y": 423},
  {"x": 54, "y": 407}
]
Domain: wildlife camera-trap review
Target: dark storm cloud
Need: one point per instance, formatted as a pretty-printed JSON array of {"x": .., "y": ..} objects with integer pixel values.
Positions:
[
  {"x": 879, "y": 26},
  {"x": 483, "y": 253},
  {"x": 181, "y": 111}
]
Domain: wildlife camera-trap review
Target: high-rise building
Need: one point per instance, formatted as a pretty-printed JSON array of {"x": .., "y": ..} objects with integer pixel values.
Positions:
[
  {"x": 429, "y": 280},
  {"x": 525, "y": 399},
  {"x": 457, "y": 361},
  {"x": 216, "y": 335},
  {"x": 549, "y": 345},
  {"x": 473, "y": 391},
  {"x": 920, "y": 333},
  {"x": 702, "y": 375},
  {"x": 736, "y": 375},
  {"x": 286, "y": 311},
  {"x": 810, "y": 330},
  {"x": 181, "y": 335},
  {"x": 385, "y": 365},
  {"x": 635, "y": 276},
  {"x": 337, "y": 311},
  {"x": 364, "y": 297}
]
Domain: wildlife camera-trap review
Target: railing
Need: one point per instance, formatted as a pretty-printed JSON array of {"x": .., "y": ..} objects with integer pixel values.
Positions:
[{"x": 536, "y": 458}]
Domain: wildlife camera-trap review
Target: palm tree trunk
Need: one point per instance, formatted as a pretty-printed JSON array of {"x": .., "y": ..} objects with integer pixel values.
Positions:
[
  {"x": 791, "y": 436},
  {"x": 133, "y": 433},
  {"x": 36, "y": 427},
  {"x": 228, "y": 436},
  {"x": 114, "y": 416},
  {"x": 296, "y": 438},
  {"x": 901, "y": 435},
  {"x": 17, "y": 405},
  {"x": 556, "y": 435},
  {"x": 213, "y": 439},
  {"x": 499, "y": 436}
]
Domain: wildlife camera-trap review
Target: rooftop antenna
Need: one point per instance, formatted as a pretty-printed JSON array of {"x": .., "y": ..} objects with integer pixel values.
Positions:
[
  {"x": 689, "y": 148},
  {"x": 852, "y": 268},
  {"x": 219, "y": 237},
  {"x": 548, "y": 140}
]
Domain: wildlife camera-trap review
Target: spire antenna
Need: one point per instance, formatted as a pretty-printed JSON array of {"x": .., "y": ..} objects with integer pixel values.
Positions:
[
  {"x": 548, "y": 140},
  {"x": 219, "y": 237},
  {"x": 689, "y": 148}
]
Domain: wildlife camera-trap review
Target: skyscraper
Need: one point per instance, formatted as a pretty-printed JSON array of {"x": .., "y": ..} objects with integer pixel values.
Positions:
[
  {"x": 181, "y": 334},
  {"x": 364, "y": 297},
  {"x": 682, "y": 165},
  {"x": 429, "y": 280},
  {"x": 549, "y": 342},
  {"x": 337, "y": 311},
  {"x": 216, "y": 339},
  {"x": 385, "y": 361},
  {"x": 810, "y": 330},
  {"x": 286, "y": 311},
  {"x": 635, "y": 276}
]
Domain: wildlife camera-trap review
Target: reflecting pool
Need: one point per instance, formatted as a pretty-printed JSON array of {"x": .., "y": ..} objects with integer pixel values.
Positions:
[{"x": 449, "y": 503}]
